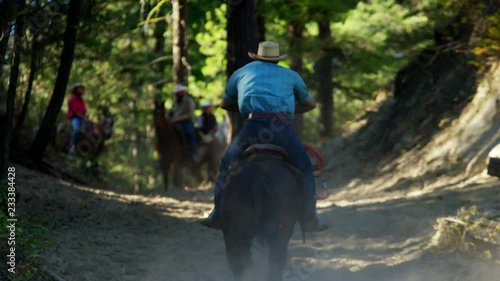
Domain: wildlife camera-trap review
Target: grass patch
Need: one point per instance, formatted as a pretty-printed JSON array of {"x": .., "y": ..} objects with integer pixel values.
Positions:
[{"x": 31, "y": 240}]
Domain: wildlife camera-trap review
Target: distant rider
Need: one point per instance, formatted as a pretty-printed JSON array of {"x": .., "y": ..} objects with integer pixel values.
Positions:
[
  {"x": 182, "y": 113},
  {"x": 207, "y": 123},
  {"x": 76, "y": 112}
]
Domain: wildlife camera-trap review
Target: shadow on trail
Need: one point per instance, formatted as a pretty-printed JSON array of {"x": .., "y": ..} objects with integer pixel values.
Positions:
[{"x": 107, "y": 235}]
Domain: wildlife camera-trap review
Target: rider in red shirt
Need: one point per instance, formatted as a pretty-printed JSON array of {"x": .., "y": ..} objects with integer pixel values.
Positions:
[{"x": 76, "y": 112}]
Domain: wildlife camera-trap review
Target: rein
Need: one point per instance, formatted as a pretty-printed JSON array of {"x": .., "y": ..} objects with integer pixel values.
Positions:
[{"x": 320, "y": 165}]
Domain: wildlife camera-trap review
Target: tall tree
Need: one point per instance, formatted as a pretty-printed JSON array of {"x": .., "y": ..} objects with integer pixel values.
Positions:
[
  {"x": 295, "y": 31},
  {"x": 159, "y": 51},
  {"x": 180, "y": 41},
  {"x": 7, "y": 119},
  {"x": 242, "y": 36},
  {"x": 27, "y": 94},
  {"x": 324, "y": 74},
  {"x": 66, "y": 60}
]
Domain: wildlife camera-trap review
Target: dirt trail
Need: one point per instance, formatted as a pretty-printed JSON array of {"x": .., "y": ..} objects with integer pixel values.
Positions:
[{"x": 106, "y": 235}]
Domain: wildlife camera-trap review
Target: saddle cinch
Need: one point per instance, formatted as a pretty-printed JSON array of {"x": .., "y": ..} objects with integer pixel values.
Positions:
[{"x": 318, "y": 159}]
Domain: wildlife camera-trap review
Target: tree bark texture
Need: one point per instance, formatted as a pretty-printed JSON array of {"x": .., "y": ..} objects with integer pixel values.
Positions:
[{"x": 180, "y": 41}]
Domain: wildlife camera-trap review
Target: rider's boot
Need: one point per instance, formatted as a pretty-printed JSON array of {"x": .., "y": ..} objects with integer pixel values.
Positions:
[
  {"x": 214, "y": 219},
  {"x": 313, "y": 223}
]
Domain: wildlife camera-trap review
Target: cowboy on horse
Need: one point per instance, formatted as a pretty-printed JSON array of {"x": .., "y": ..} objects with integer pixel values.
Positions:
[
  {"x": 76, "y": 112},
  {"x": 267, "y": 96},
  {"x": 182, "y": 113}
]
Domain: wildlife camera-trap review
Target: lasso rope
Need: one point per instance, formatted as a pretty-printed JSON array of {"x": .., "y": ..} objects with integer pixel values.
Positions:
[{"x": 320, "y": 165}]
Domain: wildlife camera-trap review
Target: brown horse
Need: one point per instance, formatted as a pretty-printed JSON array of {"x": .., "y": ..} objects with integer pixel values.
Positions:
[
  {"x": 90, "y": 142},
  {"x": 171, "y": 151}
]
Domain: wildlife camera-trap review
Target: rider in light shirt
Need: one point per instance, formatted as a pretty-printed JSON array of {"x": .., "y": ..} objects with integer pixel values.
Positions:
[{"x": 267, "y": 96}]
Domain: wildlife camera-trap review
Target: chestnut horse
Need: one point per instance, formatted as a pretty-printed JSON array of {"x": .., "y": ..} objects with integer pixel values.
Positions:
[{"x": 171, "y": 152}]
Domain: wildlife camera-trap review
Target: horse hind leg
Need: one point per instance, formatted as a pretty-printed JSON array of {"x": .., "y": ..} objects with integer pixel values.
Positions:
[
  {"x": 177, "y": 172},
  {"x": 277, "y": 258},
  {"x": 238, "y": 257}
]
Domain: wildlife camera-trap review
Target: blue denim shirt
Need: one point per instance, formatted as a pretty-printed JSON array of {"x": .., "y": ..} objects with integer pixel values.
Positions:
[{"x": 266, "y": 87}]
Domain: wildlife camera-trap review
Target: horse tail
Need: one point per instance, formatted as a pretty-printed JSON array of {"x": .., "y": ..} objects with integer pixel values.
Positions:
[
  {"x": 260, "y": 214},
  {"x": 265, "y": 207}
]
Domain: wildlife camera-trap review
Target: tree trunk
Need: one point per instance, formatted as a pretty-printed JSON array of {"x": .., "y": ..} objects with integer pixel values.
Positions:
[
  {"x": 295, "y": 30},
  {"x": 159, "y": 51},
  {"x": 324, "y": 74},
  {"x": 50, "y": 118},
  {"x": 6, "y": 120},
  {"x": 180, "y": 41},
  {"x": 27, "y": 95},
  {"x": 135, "y": 138},
  {"x": 242, "y": 36},
  {"x": 261, "y": 28}
]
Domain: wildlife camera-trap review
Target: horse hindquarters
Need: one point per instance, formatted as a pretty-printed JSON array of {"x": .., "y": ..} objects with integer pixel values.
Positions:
[
  {"x": 280, "y": 229},
  {"x": 238, "y": 254},
  {"x": 238, "y": 227},
  {"x": 263, "y": 199}
]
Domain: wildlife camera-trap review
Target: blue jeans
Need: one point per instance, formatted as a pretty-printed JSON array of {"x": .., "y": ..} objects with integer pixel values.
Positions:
[
  {"x": 76, "y": 122},
  {"x": 188, "y": 129},
  {"x": 272, "y": 131}
]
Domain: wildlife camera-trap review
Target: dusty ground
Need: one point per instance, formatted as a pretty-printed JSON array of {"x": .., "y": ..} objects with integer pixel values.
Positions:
[{"x": 106, "y": 235}]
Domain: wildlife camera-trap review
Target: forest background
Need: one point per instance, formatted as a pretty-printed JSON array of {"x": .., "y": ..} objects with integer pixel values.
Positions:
[{"x": 130, "y": 53}]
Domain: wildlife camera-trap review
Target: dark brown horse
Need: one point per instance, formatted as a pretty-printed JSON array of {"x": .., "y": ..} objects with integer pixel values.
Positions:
[
  {"x": 171, "y": 151},
  {"x": 262, "y": 198}
]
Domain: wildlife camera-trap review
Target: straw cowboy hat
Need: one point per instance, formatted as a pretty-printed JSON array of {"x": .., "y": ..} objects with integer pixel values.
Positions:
[
  {"x": 180, "y": 88},
  {"x": 77, "y": 85},
  {"x": 205, "y": 103},
  {"x": 268, "y": 51}
]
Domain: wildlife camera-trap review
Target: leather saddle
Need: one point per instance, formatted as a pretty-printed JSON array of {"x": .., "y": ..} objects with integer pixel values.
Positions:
[{"x": 269, "y": 149}]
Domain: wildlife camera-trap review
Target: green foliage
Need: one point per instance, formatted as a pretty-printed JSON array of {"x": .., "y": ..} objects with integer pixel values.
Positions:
[
  {"x": 212, "y": 45},
  {"x": 376, "y": 40},
  {"x": 489, "y": 44}
]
